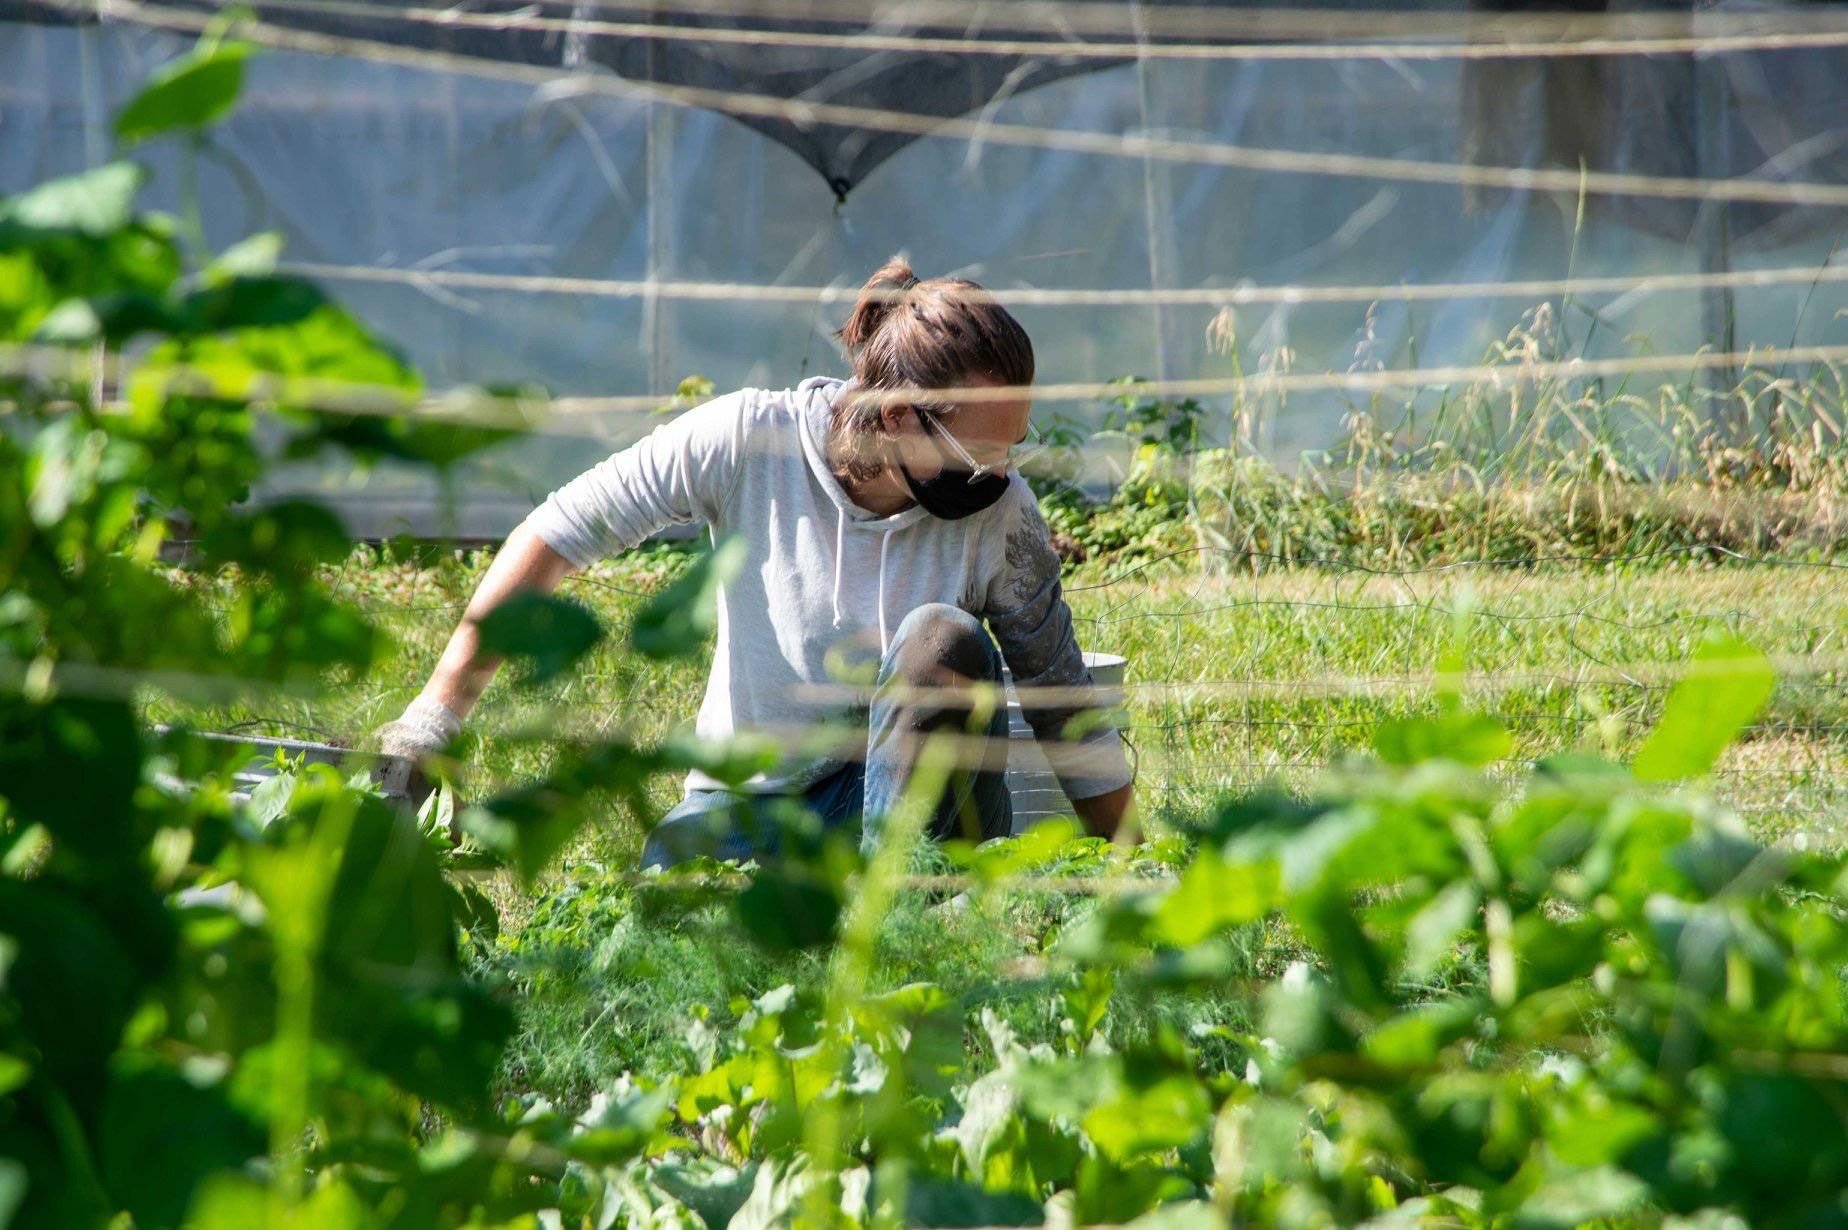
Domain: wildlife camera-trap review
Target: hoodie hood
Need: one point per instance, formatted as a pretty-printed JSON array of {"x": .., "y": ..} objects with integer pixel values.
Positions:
[{"x": 815, "y": 401}]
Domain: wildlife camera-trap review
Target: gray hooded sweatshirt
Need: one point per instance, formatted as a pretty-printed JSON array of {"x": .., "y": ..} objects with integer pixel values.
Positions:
[{"x": 825, "y": 583}]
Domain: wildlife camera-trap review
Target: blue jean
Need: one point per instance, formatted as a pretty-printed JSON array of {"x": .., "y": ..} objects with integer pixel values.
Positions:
[{"x": 936, "y": 646}]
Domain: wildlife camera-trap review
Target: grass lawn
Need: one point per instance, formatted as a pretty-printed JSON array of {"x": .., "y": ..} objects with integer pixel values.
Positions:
[{"x": 1236, "y": 681}]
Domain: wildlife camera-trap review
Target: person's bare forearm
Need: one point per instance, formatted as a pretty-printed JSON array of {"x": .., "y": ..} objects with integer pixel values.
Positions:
[
  {"x": 524, "y": 562},
  {"x": 1103, "y": 814}
]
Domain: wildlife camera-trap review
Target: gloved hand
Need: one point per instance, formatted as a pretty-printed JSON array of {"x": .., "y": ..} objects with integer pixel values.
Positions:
[{"x": 423, "y": 730}]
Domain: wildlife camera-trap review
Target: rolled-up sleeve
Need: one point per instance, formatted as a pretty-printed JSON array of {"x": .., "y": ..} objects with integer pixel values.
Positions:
[
  {"x": 1026, "y": 611},
  {"x": 679, "y": 473}
]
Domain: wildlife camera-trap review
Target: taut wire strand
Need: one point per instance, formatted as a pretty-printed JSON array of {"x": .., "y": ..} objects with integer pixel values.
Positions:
[
  {"x": 42, "y": 678},
  {"x": 1106, "y": 18},
  {"x": 866, "y": 43},
  {"x": 1037, "y": 296},
  {"x": 540, "y": 415},
  {"x": 1206, "y": 153}
]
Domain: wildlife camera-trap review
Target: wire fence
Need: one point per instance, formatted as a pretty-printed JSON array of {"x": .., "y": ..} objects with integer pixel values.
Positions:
[
  {"x": 1588, "y": 646},
  {"x": 1141, "y": 148},
  {"x": 1270, "y": 734},
  {"x": 538, "y": 414},
  {"x": 1100, "y": 18}
]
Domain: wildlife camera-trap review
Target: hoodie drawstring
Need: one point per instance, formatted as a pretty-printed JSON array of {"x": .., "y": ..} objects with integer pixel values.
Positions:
[
  {"x": 840, "y": 553},
  {"x": 840, "y": 536},
  {"x": 885, "y": 540}
]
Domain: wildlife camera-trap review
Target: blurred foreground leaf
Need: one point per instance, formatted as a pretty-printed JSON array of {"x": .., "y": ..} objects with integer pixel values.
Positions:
[
  {"x": 678, "y": 620},
  {"x": 196, "y": 90},
  {"x": 1726, "y": 687},
  {"x": 548, "y": 633}
]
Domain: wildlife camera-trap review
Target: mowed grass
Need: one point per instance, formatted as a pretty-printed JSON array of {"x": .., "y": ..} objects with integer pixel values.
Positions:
[
  {"x": 1236, "y": 681},
  {"x": 1266, "y": 678}
]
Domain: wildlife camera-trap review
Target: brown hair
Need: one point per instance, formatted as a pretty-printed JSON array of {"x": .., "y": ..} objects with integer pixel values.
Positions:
[{"x": 935, "y": 333}]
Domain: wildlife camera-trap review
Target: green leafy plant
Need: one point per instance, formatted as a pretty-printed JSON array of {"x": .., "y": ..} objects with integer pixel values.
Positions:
[
  {"x": 220, "y": 1012},
  {"x": 1433, "y": 986},
  {"x": 1570, "y": 1002}
]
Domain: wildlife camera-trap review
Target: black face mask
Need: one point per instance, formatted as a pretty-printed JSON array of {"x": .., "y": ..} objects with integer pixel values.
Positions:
[{"x": 949, "y": 494}]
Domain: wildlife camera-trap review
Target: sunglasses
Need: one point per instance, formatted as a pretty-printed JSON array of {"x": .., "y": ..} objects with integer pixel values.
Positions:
[{"x": 1017, "y": 455}]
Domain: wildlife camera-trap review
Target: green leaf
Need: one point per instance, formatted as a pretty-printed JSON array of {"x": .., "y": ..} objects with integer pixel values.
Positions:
[
  {"x": 251, "y": 301},
  {"x": 14, "y": 1072},
  {"x": 951, "y": 1202},
  {"x": 1574, "y": 1198},
  {"x": 714, "y": 1191},
  {"x": 269, "y": 800},
  {"x": 121, "y": 315},
  {"x": 1433, "y": 930},
  {"x": 96, "y": 203},
  {"x": 1039, "y": 844},
  {"x": 1297, "y": 1011},
  {"x": 237, "y": 1202},
  {"x": 71, "y": 323},
  {"x": 1558, "y": 953},
  {"x": 786, "y": 909},
  {"x": 528, "y": 825},
  {"x": 475, "y": 912},
  {"x": 1273, "y": 1129},
  {"x": 163, "y": 1131},
  {"x": 1726, "y": 686},
  {"x": 619, "y": 1123},
  {"x": 72, "y": 981},
  {"x": 1067, "y": 1088},
  {"x": 305, "y": 358},
  {"x": 1087, "y": 1000},
  {"x": 437, "y": 442},
  {"x": 287, "y": 537},
  {"x": 1597, "y": 1130},
  {"x": 733, "y": 760},
  {"x": 1466, "y": 738},
  {"x": 1214, "y": 894},
  {"x": 14, "y": 1181},
  {"x": 1719, "y": 853},
  {"x": 391, "y": 987},
  {"x": 677, "y": 621},
  {"x": 248, "y": 258},
  {"x": 548, "y": 632},
  {"x": 1109, "y": 1194},
  {"x": 1414, "y": 1038},
  {"x": 290, "y": 632},
  {"x": 1181, "y": 1215},
  {"x": 194, "y": 91},
  {"x": 72, "y": 766},
  {"x": 1149, "y": 1117}
]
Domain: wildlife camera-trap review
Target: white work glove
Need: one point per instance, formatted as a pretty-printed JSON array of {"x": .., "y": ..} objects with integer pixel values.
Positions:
[{"x": 423, "y": 730}]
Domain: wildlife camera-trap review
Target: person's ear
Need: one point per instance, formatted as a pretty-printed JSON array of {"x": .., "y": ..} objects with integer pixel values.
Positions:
[{"x": 892, "y": 418}]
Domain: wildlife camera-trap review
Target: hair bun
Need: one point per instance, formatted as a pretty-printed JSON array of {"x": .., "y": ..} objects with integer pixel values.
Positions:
[{"x": 881, "y": 294}]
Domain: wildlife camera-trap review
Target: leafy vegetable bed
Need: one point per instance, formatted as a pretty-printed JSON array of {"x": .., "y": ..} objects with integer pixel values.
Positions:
[{"x": 1488, "y": 973}]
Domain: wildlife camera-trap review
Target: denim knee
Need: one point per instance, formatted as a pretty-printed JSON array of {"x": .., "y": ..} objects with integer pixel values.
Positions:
[
  {"x": 938, "y": 637},
  {"x": 699, "y": 826},
  {"x": 675, "y": 840}
]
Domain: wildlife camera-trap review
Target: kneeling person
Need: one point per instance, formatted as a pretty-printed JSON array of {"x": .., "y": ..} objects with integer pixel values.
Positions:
[{"x": 879, "y": 525}]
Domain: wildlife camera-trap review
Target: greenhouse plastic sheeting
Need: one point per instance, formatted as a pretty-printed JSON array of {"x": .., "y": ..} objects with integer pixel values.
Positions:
[{"x": 370, "y": 164}]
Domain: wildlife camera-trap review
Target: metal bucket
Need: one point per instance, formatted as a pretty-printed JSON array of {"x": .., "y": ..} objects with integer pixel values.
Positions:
[
  {"x": 1031, "y": 785},
  {"x": 391, "y": 773}
]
